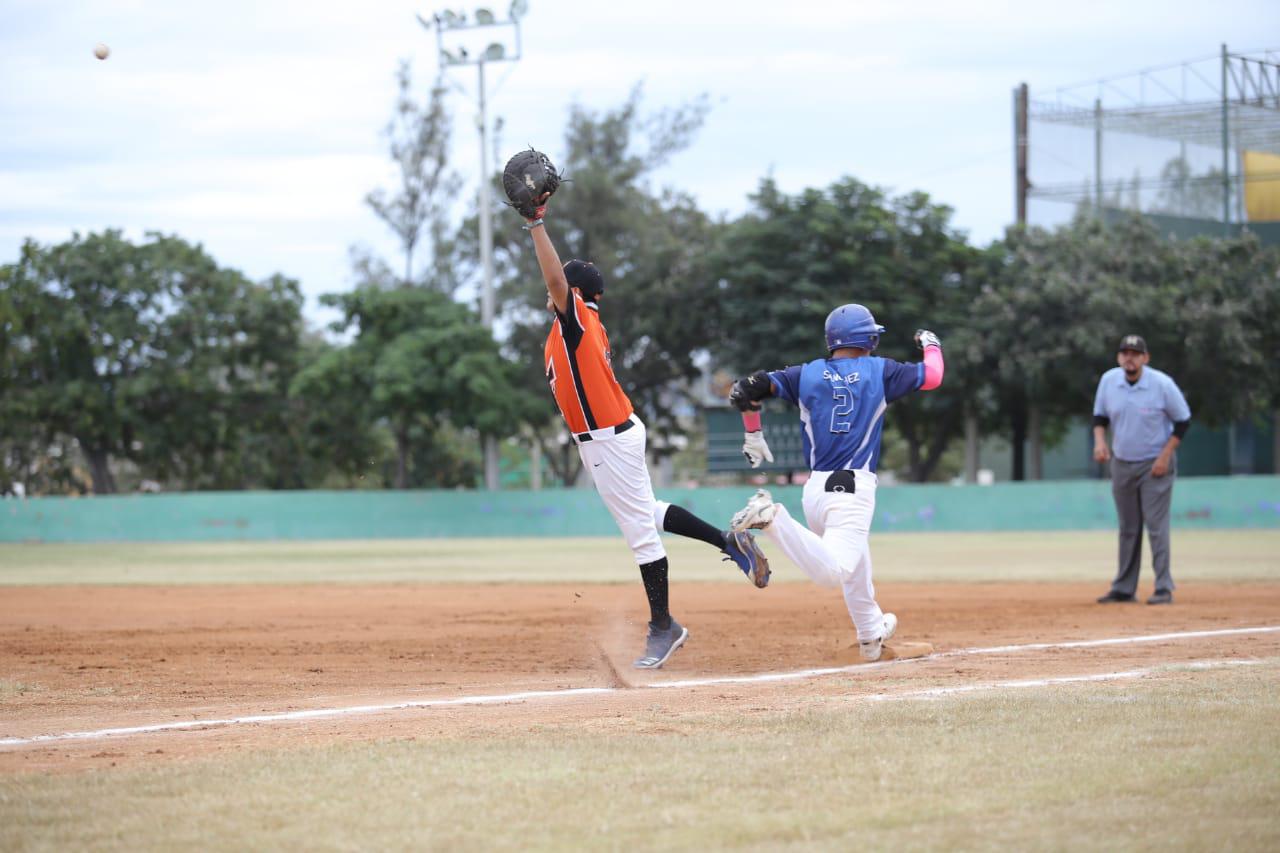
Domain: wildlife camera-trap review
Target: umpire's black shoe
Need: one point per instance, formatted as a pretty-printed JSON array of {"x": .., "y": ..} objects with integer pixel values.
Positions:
[
  {"x": 1162, "y": 596},
  {"x": 1113, "y": 597}
]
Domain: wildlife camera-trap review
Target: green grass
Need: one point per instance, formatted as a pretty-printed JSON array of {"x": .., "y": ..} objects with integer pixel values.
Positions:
[
  {"x": 1188, "y": 761},
  {"x": 1234, "y": 555}
]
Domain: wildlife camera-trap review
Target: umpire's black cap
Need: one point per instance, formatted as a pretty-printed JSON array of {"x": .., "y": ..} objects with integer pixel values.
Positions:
[
  {"x": 1133, "y": 342},
  {"x": 586, "y": 277}
]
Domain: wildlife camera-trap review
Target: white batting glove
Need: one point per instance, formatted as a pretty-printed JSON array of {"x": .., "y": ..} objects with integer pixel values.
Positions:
[
  {"x": 926, "y": 338},
  {"x": 756, "y": 449}
]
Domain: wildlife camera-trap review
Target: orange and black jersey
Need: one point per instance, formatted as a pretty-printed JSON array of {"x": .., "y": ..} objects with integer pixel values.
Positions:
[{"x": 578, "y": 365}]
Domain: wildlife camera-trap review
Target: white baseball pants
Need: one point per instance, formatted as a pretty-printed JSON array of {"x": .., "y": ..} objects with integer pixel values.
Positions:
[
  {"x": 834, "y": 549},
  {"x": 617, "y": 466}
]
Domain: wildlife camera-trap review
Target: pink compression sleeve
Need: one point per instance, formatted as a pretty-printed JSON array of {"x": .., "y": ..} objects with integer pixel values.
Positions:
[
  {"x": 933, "y": 368},
  {"x": 751, "y": 421}
]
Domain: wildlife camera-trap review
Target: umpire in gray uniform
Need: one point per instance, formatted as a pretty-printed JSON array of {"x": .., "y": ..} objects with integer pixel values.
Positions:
[{"x": 1148, "y": 417}]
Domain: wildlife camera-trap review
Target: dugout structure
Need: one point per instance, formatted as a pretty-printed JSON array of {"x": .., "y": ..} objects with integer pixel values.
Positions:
[
  {"x": 1194, "y": 146},
  {"x": 724, "y": 442}
]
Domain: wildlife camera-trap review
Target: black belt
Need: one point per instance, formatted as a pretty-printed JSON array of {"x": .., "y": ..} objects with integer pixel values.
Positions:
[{"x": 622, "y": 427}]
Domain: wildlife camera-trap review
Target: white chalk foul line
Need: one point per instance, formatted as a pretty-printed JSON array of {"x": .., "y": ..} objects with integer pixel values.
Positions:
[
  {"x": 1115, "y": 641},
  {"x": 508, "y": 698},
  {"x": 318, "y": 713},
  {"x": 938, "y": 692},
  {"x": 989, "y": 650}
]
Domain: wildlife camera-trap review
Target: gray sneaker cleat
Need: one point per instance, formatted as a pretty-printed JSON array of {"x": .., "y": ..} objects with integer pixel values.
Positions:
[{"x": 661, "y": 644}]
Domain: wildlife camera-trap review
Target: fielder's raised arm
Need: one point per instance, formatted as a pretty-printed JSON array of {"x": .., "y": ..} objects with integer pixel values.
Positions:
[
  {"x": 549, "y": 262},
  {"x": 529, "y": 179}
]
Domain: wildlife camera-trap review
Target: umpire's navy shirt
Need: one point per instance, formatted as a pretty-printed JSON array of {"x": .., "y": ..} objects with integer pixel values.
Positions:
[{"x": 1142, "y": 414}]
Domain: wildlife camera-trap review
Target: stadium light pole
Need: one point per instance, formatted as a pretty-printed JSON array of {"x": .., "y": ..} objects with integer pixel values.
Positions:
[
  {"x": 1226, "y": 150},
  {"x": 456, "y": 24},
  {"x": 1021, "y": 184}
]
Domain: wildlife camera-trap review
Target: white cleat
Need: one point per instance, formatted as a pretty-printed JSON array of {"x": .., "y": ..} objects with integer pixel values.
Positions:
[
  {"x": 757, "y": 514},
  {"x": 872, "y": 650}
]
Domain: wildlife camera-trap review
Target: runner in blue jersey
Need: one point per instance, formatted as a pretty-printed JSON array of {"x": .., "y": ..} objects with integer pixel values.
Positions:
[{"x": 842, "y": 400}]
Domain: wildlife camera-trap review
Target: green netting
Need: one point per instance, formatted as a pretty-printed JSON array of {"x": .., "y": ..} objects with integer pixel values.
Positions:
[{"x": 1165, "y": 141}]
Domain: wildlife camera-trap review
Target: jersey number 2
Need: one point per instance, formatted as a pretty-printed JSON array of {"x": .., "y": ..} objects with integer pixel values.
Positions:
[{"x": 844, "y": 405}]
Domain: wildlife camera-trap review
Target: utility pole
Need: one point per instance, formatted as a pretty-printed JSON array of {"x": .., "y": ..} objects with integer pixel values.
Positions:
[
  {"x": 1097, "y": 157},
  {"x": 460, "y": 31},
  {"x": 486, "y": 221},
  {"x": 1021, "y": 184},
  {"x": 1226, "y": 147},
  {"x": 1027, "y": 419}
]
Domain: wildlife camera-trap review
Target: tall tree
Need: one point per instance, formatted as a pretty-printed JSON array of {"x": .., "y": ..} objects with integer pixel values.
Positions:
[
  {"x": 419, "y": 141},
  {"x": 34, "y": 458},
  {"x": 1210, "y": 330},
  {"x": 149, "y": 353},
  {"x": 934, "y": 265},
  {"x": 1264, "y": 316},
  {"x": 418, "y": 363},
  {"x": 213, "y": 414},
  {"x": 340, "y": 436},
  {"x": 1055, "y": 303},
  {"x": 1050, "y": 301}
]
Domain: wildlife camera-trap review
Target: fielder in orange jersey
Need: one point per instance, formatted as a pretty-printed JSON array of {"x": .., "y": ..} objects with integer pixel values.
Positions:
[{"x": 611, "y": 442}]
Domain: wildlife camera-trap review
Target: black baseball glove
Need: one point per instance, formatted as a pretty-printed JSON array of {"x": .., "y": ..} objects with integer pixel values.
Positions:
[{"x": 529, "y": 179}]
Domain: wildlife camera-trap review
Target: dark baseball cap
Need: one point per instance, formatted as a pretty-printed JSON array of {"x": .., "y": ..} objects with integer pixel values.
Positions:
[
  {"x": 586, "y": 277},
  {"x": 1133, "y": 342}
]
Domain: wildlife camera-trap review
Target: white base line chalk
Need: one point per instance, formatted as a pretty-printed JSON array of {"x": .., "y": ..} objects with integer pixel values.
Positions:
[
  {"x": 939, "y": 692},
  {"x": 990, "y": 650},
  {"x": 508, "y": 698}
]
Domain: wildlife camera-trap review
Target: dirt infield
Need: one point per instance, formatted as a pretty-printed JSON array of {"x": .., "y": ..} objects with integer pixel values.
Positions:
[{"x": 89, "y": 658}]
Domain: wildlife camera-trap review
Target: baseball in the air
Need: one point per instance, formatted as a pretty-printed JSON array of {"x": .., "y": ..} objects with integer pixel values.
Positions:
[{"x": 101, "y": 51}]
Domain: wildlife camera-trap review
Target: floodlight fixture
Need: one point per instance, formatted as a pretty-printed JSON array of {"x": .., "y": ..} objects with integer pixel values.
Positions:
[{"x": 495, "y": 52}]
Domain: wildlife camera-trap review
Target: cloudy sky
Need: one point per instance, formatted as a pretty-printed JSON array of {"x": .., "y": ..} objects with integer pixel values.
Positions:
[{"x": 255, "y": 126}]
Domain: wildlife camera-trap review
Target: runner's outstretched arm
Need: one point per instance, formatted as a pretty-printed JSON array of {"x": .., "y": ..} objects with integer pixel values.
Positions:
[{"x": 746, "y": 396}]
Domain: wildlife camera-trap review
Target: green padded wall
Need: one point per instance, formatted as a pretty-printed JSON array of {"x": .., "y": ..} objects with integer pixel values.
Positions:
[{"x": 1198, "y": 502}]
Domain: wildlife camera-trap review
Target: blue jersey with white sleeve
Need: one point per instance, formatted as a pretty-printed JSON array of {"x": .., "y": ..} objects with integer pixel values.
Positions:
[{"x": 842, "y": 403}]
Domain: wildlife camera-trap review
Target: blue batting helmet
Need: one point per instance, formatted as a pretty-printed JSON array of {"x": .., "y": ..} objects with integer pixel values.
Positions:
[{"x": 852, "y": 326}]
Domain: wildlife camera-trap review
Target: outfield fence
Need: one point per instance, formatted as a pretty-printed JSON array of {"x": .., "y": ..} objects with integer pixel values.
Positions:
[{"x": 1198, "y": 502}]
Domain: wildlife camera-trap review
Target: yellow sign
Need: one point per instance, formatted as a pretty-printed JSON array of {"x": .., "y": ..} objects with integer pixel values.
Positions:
[{"x": 1261, "y": 186}]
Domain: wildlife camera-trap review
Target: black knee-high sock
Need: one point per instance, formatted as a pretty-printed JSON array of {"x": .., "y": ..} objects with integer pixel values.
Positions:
[
  {"x": 684, "y": 523},
  {"x": 655, "y": 587}
]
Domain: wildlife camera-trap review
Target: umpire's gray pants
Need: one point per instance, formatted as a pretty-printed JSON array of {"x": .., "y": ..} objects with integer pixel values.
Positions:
[{"x": 1142, "y": 498}]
